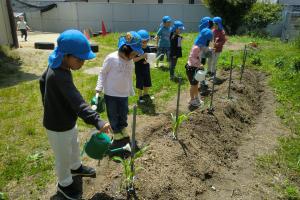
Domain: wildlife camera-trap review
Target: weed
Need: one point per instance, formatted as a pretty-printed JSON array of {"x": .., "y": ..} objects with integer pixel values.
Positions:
[{"x": 279, "y": 62}]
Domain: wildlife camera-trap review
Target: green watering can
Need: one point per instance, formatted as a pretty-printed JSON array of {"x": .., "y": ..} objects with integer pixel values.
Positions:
[
  {"x": 99, "y": 146},
  {"x": 98, "y": 103}
]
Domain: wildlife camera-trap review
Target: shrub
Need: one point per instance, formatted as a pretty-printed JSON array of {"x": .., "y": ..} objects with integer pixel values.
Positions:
[
  {"x": 225, "y": 8},
  {"x": 261, "y": 15}
]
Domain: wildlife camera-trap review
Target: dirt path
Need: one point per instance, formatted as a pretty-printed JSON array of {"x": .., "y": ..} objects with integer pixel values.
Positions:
[
  {"x": 243, "y": 180},
  {"x": 37, "y": 37},
  {"x": 215, "y": 157}
]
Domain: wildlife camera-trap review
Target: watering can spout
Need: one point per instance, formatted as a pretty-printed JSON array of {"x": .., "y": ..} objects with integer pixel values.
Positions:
[{"x": 126, "y": 147}]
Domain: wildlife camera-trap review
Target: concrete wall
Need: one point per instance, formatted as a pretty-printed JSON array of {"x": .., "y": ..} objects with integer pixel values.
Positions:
[
  {"x": 291, "y": 27},
  {"x": 5, "y": 30},
  {"x": 117, "y": 17},
  {"x": 289, "y": 2}
]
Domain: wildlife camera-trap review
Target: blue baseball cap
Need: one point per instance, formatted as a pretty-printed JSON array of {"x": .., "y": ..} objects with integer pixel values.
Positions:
[
  {"x": 144, "y": 34},
  {"x": 178, "y": 25},
  {"x": 204, "y": 36},
  {"x": 71, "y": 42},
  {"x": 218, "y": 21},
  {"x": 166, "y": 19},
  {"x": 132, "y": 39},
  {"x": 204, "y": 23}
]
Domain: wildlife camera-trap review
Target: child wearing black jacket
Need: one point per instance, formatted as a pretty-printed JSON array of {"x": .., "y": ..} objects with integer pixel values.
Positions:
[
  {"x": 176, "y": 51},
  {"x": 63, "y": 104}
]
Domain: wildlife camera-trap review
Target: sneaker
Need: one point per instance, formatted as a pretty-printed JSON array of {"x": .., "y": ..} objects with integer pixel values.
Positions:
[
  {"x": 195, "y": 103},
  {"x": 217, "y": 81},
  {"x": 199, "y": 101},
  {"x": 148, "y": 98},
  {"x": 203, "y": 85},
  {"x": 208, "y": 74},
  {"x": 84, "y": 171},
  {"x": 141, "y": 100},
  {"x": 204, "y": 93},
  {"x": 203, "y": 88},
  {"x": 71, "y": 192}
]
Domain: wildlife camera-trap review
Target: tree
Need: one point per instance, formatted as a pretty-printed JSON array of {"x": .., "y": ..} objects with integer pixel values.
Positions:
[
  {"x": 232, "y": 12},
  {"x": 261, "y": 15}
]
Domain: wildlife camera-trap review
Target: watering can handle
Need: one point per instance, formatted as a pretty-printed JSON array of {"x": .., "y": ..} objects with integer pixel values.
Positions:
[{"x": 158, "y": 57}]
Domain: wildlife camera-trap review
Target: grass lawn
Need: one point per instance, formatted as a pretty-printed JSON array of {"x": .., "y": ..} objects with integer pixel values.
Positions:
[{"x": 25, "y": 154}]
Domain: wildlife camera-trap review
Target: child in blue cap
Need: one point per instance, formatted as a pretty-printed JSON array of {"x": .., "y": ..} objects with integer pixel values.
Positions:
[
  {"x": 63, "y": 104},
  {"x": 142, "y": 70},
  {"x": 163, "y": 39},
  {"x": 194, "y": 64},
  {"x": 219, "y": 41},
  {"x": 115, "y": 81},
  {"x": 175, "y": 51},
  {"x": 205, "y": 22}
]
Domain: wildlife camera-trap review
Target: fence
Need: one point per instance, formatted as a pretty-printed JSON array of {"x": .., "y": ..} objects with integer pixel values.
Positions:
[{"x": 291, "y": 25}]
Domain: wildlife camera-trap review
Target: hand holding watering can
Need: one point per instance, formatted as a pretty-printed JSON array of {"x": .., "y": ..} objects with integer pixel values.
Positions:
[{"x": 106, "y": 128}]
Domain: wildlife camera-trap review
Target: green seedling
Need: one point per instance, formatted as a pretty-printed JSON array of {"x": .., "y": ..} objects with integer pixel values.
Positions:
[
  {"x": 129, "y": 174},
  {"x": 176, "y": 123},
  {"x": 35, "y": 157}
]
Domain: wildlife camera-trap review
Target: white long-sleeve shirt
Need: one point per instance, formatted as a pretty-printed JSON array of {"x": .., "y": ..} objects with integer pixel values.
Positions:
[
  {"x": 115, "y": 78},
  {"x": 22, "y": 25}
]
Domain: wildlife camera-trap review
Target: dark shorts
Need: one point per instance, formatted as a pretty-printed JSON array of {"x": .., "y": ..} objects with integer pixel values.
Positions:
[
  {"x": 190, "y": 72},
  {"x": 143, "y": 77}
]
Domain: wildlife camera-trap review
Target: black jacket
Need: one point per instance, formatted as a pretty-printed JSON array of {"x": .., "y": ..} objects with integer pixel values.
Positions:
[
  {"x": 175, "y": 45},
  {"x": 63, "y": 103}
]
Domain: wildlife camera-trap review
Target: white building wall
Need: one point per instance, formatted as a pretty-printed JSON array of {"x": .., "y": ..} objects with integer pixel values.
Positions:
[
  {"x": 117, "y": 17},
  {"x": 290, "y": 2}
]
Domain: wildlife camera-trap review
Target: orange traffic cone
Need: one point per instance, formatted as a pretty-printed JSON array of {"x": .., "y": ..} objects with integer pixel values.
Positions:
[
  {"x": 87, "y": 35},
  {"x": 103, "y": 28}
]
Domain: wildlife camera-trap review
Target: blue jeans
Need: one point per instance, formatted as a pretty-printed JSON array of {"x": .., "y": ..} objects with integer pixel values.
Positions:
[
  {"x": 163, "y": 51},
  {"x": 117, "y": 111},
  {"x": 173, "y": 63}
]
